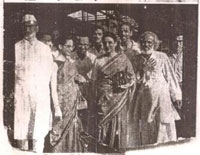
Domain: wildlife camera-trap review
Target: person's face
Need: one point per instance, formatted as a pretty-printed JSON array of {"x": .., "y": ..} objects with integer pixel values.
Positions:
[
  {"x": 147, "y": 44},
  {"x": 178, "y": 45},
  {"x": 49, "y": 43},
  {"x": 113, "y": 26},
  {"x": 55, "y": 34},
  {"x": 47, "y": 40},
  {"x": 30, "y": 29},
  {"x": 109, "y": 44},
  {"x": 83, "y": 44},
  {"x": 125, "y": 33},
  {"x": 98, "y": 35},
  {"x": 68, "y": 47}
]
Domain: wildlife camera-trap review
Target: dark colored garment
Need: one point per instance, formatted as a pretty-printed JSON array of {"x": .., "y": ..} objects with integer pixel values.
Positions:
[{"x": 113, "y": 103}]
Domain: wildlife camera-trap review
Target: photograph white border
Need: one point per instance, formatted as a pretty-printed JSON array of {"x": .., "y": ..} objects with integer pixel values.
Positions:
[{"x": 192, "y": 147}]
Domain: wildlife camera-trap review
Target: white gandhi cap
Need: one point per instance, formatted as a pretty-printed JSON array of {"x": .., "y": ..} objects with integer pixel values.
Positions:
[{"x": 29, "y": 18}]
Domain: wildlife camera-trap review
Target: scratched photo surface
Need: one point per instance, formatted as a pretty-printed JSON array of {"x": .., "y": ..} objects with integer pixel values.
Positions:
[{"x": 101, "y": 78}]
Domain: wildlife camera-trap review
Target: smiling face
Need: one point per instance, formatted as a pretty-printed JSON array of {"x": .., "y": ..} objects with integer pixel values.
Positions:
[
  {"x": 68, "y": 47},
  {"x": 125, "y": 33},
  {"x": 109, "y": 44},
  {"x": 98, "y": 35},
  {"x": 83, "y": 45},
  {"x": 147, "y": 44}
]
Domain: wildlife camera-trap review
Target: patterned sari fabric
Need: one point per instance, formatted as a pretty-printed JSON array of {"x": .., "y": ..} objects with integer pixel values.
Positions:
[
  {"x": 112, "y": 101},
  {"x": 65, "y": 134}
]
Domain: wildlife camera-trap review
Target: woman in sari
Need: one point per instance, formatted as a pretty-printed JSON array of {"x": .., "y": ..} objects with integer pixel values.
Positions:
[
  {"x": 65, "y": 135},
  {"x": 154, "y": 114},
  {"x": 114, "y": 79}
]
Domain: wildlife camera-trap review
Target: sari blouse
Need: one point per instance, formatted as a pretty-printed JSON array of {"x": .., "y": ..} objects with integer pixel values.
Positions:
[{"x": 108, "y": 72}]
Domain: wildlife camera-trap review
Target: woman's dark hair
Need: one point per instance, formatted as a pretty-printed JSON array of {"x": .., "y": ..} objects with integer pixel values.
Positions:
[
  {"x": 110, "y": 34},
  {"x": 62, "y": 40}
]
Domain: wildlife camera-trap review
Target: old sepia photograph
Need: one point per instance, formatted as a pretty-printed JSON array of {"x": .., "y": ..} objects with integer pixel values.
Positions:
[{"x": 98, "y": 78}]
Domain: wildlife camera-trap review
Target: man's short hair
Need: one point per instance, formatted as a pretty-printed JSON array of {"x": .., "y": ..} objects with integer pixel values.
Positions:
[
  {"x": 99, "y": 27},
  {"x": 45, "y": 36},
  {"x": 179, "y": 37},
  {"x": 83, "y": 36}
]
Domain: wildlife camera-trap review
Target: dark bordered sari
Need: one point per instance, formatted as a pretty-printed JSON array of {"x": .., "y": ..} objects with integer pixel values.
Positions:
[{"x": 112, "y": 104}]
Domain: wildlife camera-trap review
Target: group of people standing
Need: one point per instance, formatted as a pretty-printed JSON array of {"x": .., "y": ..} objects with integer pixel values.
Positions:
[{"x": 129, "y": 89}]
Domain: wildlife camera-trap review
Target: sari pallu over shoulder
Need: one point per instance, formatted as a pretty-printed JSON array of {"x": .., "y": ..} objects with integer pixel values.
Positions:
[
  {"x": 114, "y": 105},
  {"x": 115, "y": 64},
  {"x": 64, "y": 136}
]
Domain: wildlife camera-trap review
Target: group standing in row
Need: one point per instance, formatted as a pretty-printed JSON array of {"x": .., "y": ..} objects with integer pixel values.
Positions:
[{"x": 130, "y": 90}]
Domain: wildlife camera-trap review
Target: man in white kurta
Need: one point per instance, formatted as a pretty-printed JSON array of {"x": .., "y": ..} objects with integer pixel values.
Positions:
[
  {"x": 34, "y": 74},
  {"x": 154, "y": 114}
]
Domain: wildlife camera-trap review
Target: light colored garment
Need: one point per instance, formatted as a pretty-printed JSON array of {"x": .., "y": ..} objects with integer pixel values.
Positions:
[
  {"x": 33, "y": 72},
  {"x": 158, "y": 88},
  {"x": 177, "y": 64}
]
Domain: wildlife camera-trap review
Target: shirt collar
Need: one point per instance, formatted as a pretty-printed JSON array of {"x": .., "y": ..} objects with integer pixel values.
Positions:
[{"x": 32, "y": 41}]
